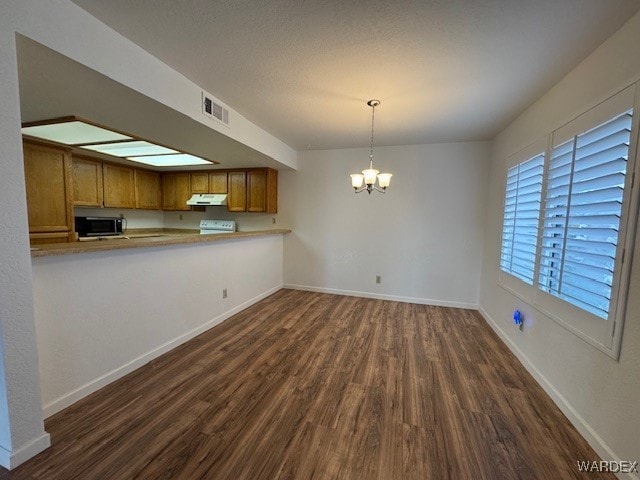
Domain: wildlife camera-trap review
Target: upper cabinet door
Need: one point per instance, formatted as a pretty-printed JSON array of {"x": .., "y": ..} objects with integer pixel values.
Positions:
[
  {"x": 200, "y": 183},
  {"x": 262, "y": 190},
  {"x": 168, "y": 191},
  {"x": 237, "y": 190},
  {"x": 218, "y": 182},
  {"x": 147, "y": 190},
  {"x": 183, "y": 191},
  {"x": 49, "y": 190},
  {"x": 176, "y": 190},
  {"x": 256, "y": 191},
  {"x": 87, "y": 182},
  {"x": 272, "y": 191},
  {"x": 119, "y": 186}
]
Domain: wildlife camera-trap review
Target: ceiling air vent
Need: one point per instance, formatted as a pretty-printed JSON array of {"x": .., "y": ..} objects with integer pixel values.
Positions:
[{"x": 213, "y": 109}]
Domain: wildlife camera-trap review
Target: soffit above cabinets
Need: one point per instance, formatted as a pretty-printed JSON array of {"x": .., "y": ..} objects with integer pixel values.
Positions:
[{"x": 54, "y": 86}]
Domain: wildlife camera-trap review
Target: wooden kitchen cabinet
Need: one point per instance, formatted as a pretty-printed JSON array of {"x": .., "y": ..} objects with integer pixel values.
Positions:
[
  {"x": 237, "y": 191},
  {"x": 262, "y": 190},
  {"x": 49, "y": 193},
  {"x": 147, "y": 189},
  {"x": 217, "y": 182},
  {"x": 119, "y": 186},
  {"x": 214, "y": 182},
  {"x": 87, "y": 182},
  {"x": 183, "y": 191},
  {"x": 200, "y": 182},
  {"x": 79, "y": 180},
  {"x": 253, "y": 190},
  {"x": 176, "y": 190}
]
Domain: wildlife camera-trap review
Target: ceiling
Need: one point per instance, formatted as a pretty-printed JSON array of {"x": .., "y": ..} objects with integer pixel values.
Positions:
[
  {"x": 445, "y": 70},
  {"x": 53, "y": 86}
]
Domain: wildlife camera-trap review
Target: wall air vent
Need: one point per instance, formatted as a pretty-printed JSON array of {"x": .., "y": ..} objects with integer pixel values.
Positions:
[{"x": 213, "y": 109}]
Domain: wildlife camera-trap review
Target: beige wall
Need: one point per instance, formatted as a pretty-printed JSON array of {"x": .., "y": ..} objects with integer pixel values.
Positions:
[
  {"x": 600, "y": 395},
  {"x": 424, "y": 236}
]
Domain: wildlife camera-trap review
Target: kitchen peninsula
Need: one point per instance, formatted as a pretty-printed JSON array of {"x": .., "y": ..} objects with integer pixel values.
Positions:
[
  {"x": 105, "y": 308},
  {"x": 133, "y": 240}
]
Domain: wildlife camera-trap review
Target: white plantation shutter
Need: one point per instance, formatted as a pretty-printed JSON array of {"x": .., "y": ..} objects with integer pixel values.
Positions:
[
  {"x": 583, "y": 207},
  {"x": 520, "y": 223}
]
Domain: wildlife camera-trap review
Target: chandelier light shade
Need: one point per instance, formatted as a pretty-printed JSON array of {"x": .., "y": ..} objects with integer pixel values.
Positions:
[{"x": 369, "y": 175}]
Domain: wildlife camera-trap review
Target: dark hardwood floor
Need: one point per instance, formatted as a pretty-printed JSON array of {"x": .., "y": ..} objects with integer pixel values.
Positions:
[{"x": 306, "y": 385}]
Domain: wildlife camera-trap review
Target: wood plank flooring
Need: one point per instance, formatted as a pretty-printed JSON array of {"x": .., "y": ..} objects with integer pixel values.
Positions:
[{"x": 314, "y": 386}]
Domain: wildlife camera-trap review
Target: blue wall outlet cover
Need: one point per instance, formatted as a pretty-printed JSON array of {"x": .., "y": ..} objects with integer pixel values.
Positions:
[{"x": 517, "y": 317}]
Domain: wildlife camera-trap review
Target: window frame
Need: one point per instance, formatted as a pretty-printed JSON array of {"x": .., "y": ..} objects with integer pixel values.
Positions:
[{"x": 603, "y": 334}]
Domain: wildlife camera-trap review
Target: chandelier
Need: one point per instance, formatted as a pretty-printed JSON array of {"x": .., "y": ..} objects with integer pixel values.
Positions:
[{"x": 369, "y": 175}]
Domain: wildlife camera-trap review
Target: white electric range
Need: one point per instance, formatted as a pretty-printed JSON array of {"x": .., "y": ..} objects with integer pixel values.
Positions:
[{"x": 211, "y": 227}]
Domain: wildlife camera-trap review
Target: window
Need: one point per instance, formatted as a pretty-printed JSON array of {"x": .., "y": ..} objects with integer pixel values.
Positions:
[
  {"x": 568, "y": 215},
  {"x": 520, "y": 223},
  {"x": 583, "y": 206}
]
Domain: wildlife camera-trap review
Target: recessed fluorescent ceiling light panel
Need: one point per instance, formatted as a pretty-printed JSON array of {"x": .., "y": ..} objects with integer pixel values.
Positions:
[
  {"x": 181, "y": 159},
  {"x": 130, "y": 149},
  {"x": 80, "y": 133},
  {"x": 73, "y": 133}
]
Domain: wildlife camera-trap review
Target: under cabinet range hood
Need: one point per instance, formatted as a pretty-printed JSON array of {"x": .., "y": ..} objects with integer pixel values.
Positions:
[{"x": 207, "y": 199}]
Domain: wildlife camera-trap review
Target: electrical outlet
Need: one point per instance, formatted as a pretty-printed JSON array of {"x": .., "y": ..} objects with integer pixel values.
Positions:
[
  {"x": 274, "y": 220},
  {"x": 180, "y": 216},
  {"x": 378, "y": 278},
  {"x": 224, "y": 293}
]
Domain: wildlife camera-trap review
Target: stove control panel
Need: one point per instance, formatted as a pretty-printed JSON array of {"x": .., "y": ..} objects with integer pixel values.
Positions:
[{"x": 218, "y": 225}]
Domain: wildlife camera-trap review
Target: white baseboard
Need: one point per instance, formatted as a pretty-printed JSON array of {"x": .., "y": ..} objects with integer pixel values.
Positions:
[
  {"x": 10, "y": 460},
  {"x": 590, "y": 435},
  {"x": 379, "y": 296},
  {"x": 87, "y": 389}
]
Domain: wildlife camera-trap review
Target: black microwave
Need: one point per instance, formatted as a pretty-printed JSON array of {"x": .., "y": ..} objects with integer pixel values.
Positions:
[{"x": 98, "y": 226}]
